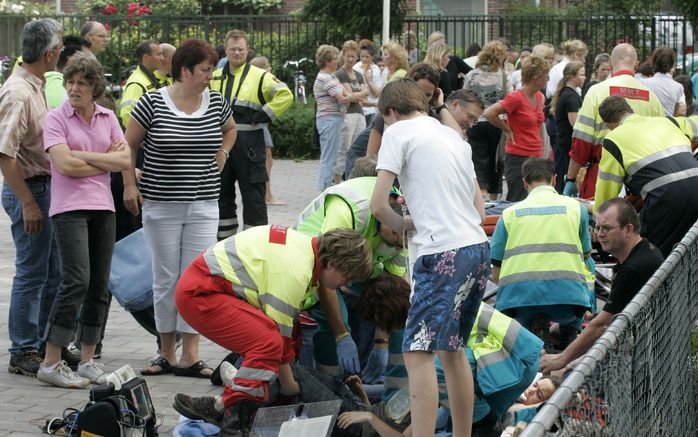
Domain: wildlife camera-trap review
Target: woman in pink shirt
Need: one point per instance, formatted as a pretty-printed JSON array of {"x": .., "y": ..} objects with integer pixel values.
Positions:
[
  {"x": 524, "y": 123},
  {"x": 84, "y": 143}
]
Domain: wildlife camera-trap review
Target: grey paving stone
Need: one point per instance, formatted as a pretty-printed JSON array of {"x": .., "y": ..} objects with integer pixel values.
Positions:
[{"x": 24, "y": 399}]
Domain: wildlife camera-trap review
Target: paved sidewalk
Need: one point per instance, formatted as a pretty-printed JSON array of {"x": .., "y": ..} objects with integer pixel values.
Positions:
[{"x": 25, "y": 400}]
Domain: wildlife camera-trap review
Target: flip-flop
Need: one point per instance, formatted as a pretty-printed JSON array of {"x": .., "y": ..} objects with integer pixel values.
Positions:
[
  {"x": 193, "y": 371},
  {"x": 165, "y": 367}
]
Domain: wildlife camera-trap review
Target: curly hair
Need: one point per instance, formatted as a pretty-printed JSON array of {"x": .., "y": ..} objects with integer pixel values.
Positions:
[
  {"x": 90, "y": 69},
  {"x": 532, "y": 68},
  {"x": 492, "y": 55},
  {"x": 348, "y": 252},
  {"x": 324, "y": 54},
  {"x": 385, "y": 302}
]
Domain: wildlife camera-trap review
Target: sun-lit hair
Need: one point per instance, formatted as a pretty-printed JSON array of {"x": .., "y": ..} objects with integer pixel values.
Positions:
[
  {"x": 399, "y": 55},
  {"x": 492, "y": 55},
  {"x": 532, "y": 68},
  {"x": 436, "y": 53}
]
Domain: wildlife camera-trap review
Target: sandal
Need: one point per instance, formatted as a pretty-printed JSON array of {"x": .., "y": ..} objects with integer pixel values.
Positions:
[
  {"x": 165, "y": 367},
  {"x": 196, "y": 370}
]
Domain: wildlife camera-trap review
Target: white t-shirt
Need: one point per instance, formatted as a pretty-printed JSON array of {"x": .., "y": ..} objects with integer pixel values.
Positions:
[
  {"x": 436, "y": 173},
  {"x": 377, "y": 81},
  {"x": 669, "y": 91}
]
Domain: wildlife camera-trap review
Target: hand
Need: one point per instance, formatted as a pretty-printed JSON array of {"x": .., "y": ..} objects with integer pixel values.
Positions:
[
  {"x": 376, "y": 365},
  {"x": 33, "y": 218},
  {"x": 438, "y": 97},
  {"x": 139, "y": 173},
  {"x": 345, "y": 420},
  {"x": 551, "y": 362},
  {"x": 117, "y": 145},
  {"x": 368, "y": 75},
  {"x": 221, "y": 159},
  {"x": 510, "y": 137},
  {"x": 132, "y": 199},
  {"x": 570, "y": 189},
  {"x": 348, "y": 355}
]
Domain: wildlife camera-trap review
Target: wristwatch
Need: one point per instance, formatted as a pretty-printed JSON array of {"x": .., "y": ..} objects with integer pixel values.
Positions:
[
  {"x": 438, "y": 109},
  {"x": 570, "y": 180}
]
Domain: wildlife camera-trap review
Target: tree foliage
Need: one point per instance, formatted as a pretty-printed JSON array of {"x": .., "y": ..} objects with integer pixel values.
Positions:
[{"x": 357, "y": 17}]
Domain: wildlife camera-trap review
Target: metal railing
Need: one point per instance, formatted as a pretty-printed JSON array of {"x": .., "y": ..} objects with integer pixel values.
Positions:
[
  {"x": 640, "y": 377},
  {"x": 601, "y": 33},
  {"x": 282, "y": 38}
]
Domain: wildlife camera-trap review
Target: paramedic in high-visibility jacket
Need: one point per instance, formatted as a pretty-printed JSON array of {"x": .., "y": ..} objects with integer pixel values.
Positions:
[
  {"x": 538, "y": 253},
  {"x": 245, "y": 292},
  {"x": 589, "y": 130},
  {"x": 652, "y": 157},
  {"x": 346, "y": 206},
  {"x": 257, "y": 98},
  {"x": 689, "y": 126}
]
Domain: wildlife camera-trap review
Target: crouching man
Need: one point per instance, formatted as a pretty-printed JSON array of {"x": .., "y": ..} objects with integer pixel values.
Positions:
[{"x": 244, "y": 294}]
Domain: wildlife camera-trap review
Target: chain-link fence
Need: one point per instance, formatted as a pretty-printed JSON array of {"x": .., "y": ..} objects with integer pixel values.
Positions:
[{"x": 640, "y": 378}]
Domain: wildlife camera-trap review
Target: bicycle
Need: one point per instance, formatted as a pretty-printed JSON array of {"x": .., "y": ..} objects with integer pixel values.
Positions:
[{"x": 299, "y": 80}]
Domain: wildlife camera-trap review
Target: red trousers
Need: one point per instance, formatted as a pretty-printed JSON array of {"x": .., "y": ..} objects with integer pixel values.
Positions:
[{"x": 208, "y": 304}]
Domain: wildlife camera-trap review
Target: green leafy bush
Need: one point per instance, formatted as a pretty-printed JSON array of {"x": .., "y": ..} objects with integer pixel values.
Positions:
[{"x": 294, "y": 132}]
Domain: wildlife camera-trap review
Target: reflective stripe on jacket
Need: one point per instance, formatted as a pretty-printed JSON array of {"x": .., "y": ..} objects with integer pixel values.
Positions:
[
  {"x": 271, "y": 267},
  {"x": 648, "y": 155},
  {"x": 356, "y": 194},
  {"x": 543, "y": 262}
]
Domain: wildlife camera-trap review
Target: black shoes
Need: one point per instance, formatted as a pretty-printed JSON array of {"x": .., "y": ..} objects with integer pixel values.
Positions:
[
  {"x": 25, "y": 363},
  {"x": 201, "y": 408}
]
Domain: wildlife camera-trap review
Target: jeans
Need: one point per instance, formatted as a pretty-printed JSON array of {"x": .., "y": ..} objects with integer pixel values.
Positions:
[
  {"x": 330, "y": 129},
  {"x": 357, "y": 150},
  {"x": 85, "y": 243},
  {"x": 36, "y": 271},
  {"x": 177, "y": 233}
]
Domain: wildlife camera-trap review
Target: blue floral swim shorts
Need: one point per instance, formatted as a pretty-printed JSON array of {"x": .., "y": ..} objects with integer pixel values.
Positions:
[{"x": 447, "y": 291}]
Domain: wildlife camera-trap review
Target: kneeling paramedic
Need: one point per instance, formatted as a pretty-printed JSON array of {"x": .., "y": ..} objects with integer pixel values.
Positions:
[
  {"x": 346, "y": 205},
  {"x": 245, "y": 292}
]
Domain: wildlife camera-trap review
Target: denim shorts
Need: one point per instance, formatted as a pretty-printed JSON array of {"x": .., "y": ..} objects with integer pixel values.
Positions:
[{"x": 447, "y": 291}]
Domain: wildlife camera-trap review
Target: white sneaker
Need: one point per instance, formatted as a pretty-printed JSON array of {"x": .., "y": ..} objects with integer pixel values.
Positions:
[
  {"x": 228, "y": 372},
  {"x": 62, "y": 376},
  {"x": 93, "y": 372}
]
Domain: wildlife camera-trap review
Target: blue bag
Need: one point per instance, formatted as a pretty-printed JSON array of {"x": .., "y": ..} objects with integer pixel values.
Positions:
[{"x": 131, "y": 278}]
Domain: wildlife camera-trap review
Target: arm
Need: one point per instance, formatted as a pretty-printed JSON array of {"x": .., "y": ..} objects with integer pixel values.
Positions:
[
  {"x": 445, "y": 116},
  {"x": 572, "y": 118},
  {"x": 374, "y": 90},
  {"x": 380, "y": 206},
  {"x": 132, "y": 196},
  {"x": 69, "y": 165},
  {"x": 479, "y": 203},
  {"x": 279, "y": 98},
  {"x": 611, "y": 176},
  {"x": 230, "y": 134},
  {"x": 374, "y": 142},
  {"x": 680, "y": 109},
  {"x": 31, "y": 213},
  {"x": 492, "y": 115},
  {"x": 330, "y": 306},
  {"x": 579, "y": 346},
  {"x": 497, "y": 247},
  {"x": 353, "y": 417},
  {"x": 117, "y": 158}
]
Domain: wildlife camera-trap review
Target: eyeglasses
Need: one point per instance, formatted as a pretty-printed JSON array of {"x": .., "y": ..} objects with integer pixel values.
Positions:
[
  {"x": 605, "y": 229},
  {"x": 59, "y": 49}
]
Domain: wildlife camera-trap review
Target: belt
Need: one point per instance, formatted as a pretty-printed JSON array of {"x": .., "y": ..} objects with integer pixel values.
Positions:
[{"x": 38, "y": 179}]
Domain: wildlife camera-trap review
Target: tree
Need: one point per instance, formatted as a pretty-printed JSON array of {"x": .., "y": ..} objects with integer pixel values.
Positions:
[
  {"x": 357, "y": 17},
  {"x": 689, "y": 8}
]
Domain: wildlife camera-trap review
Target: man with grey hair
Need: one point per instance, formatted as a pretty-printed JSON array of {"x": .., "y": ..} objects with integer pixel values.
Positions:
[
  {"x": 96, "y": 34},
  {"x": 26, "y": 193}
]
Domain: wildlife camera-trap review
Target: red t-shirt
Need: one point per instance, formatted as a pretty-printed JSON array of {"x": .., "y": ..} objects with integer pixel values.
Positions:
[{"x": 525, "y": 122}]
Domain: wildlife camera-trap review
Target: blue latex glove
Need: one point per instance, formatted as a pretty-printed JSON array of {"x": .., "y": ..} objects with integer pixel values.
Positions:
[
  {"x": 376, "y": 365},
  {"x": 348, "y": 355},
  {"x": 570, "y": 189}
]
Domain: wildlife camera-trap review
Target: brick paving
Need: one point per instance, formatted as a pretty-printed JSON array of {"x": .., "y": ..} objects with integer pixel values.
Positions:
[{"x": 23, "y": 400}]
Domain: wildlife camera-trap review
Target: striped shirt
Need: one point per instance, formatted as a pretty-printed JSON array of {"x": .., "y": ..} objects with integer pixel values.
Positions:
[
  {"x": 180, "y": 148},
  {"x": 325, "y": 89}
]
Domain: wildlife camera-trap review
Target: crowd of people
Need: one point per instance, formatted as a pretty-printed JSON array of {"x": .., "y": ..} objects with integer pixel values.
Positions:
[{"x": 388, "y": 265}]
